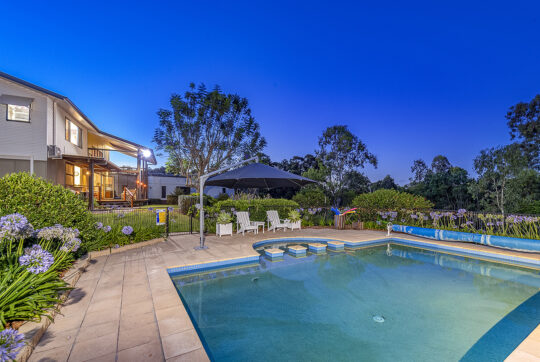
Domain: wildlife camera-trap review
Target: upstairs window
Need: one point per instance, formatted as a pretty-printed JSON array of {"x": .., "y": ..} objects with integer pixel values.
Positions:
[
  {"x": 18, "y": 113},
  {"x": 73, "y": 133}
]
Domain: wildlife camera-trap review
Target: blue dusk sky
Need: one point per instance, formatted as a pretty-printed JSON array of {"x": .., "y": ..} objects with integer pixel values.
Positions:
[{"x": 412, "y": 79}]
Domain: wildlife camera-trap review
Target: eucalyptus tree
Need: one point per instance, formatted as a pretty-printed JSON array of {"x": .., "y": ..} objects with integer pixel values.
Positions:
[
  {"x": 341, "y": 152},
  {"x": 206, "y": 130},
  {"x": 524, "y": 123},
  {"x": 496, "y": 167}
]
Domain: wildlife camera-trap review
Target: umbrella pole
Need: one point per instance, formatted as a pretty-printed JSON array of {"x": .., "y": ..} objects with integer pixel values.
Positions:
[
  {"x": 202, "y": 180},
  {"x": 201, "y": 213}
]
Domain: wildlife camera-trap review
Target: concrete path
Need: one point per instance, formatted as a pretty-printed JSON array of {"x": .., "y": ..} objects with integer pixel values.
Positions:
[{"x": 125, "y": 306}]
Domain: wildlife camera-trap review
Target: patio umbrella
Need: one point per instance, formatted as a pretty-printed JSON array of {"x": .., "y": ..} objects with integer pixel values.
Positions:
[{"x": 257, "y": 175}]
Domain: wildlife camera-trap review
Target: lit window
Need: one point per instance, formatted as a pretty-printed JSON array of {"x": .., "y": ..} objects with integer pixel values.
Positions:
[
  {"x": 73, "y": 133},
  {"x": 18, "y": 113},
  {"x": 77, "y": 175}
]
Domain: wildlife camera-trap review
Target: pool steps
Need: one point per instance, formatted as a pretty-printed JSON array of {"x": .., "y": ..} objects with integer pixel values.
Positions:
[
  {"x": 297, "y": 250},
  {"x": 273, "y": 254},
  {"x": 335, "y": 245},
  {"x": 317, "y": 248}
]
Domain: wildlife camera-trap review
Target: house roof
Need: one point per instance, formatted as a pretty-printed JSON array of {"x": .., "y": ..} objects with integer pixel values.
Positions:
[{"x": 152, "y": 158}]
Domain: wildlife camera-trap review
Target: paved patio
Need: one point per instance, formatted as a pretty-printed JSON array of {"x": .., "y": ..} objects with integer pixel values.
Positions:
[{"x": 125, "y": 306}]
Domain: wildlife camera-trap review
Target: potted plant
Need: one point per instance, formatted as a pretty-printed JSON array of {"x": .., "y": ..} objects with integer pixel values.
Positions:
[
  {"x": 224, "y": 224},
  {"x": 295, "y": 221}
]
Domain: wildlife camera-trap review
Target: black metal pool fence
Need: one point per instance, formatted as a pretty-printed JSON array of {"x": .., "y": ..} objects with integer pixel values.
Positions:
[
  {"x": 175, "y": 221},
  {"x": 183, "y": 221}
]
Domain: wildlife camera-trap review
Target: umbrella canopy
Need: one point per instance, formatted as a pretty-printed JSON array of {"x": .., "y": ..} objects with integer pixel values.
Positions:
[{"x": 257, "y": 175}]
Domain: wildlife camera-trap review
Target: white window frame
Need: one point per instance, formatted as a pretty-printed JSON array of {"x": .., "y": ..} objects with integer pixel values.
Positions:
[
  {"x": 17, "y": 120},
  {"x": 68, "y": 124}
]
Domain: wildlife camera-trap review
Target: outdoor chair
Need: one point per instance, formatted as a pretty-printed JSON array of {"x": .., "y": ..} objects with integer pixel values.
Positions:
[
  {"x": 243, "y": 223},
  {"x": 274, "y": 222}
]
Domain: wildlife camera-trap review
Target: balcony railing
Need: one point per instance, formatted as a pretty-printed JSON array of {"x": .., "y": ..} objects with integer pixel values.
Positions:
[{"x": 97, "y": 153}]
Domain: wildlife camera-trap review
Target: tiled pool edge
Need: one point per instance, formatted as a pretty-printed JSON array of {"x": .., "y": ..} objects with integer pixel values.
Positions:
[
  {"x": 217, "y": 264},
  {"x": 528, "y": 349}
]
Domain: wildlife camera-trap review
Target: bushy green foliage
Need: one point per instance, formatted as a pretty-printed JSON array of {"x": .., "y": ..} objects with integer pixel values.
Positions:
[
  {"x": 532, "y": 207},
  {"x": 44, "y": 204},
  {"x": 185, "y": 202},
  {"x": 391, "y": 200},
  {"x": 257, "y": 207},
  {"x": 311, "y": 197},
  {"x": 294, "y": 216},
  {"x": 383, "y": 200},
  {"x": 224, "y": 218}
]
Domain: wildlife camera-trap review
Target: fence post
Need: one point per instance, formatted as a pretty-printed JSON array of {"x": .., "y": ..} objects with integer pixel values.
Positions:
[
  {"x": 167, "y": 224},
  {"x": 191, "y": 223}
]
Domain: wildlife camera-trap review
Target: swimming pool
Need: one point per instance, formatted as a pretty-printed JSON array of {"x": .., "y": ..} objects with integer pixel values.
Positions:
[{"x": 385, "y": 303}]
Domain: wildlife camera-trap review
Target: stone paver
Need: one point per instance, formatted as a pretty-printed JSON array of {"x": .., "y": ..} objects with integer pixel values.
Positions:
[{"x": 125, "y": 307}]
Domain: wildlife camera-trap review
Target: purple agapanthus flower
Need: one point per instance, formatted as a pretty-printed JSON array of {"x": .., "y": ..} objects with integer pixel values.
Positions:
[
  {"x": 127, "y": 230},
  {"x": 107, "y": 229},
  {"x": 99, "y": 225},
  {"x": 170, "y": 208},
  {"x": 71, "y": 245},
  {"x": 461, "y": 212},
  {"x": 70, "y": 234},
  {"x": 150, "y": 208},
  {"x": 120, "y": 215},
  {"x": 51, "y": 232},
  {"x": 116, "y": 246},
  {"x": 11, "y": 341},
  {"x": 36, "y": 259},
  {"x": 15, "y": 226}
]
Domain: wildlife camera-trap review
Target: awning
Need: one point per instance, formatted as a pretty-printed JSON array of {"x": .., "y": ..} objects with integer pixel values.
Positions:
[
  {"x": 99, "y": 163},
  {"x": 15, "y": 100}
]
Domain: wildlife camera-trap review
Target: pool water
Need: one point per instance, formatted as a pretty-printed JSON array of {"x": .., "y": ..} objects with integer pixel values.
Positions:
[{"x": 383, "y": 303}]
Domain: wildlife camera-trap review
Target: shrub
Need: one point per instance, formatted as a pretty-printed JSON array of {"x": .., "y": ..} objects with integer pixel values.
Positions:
[
  {"x": 311, "y": 197},
  {"x": 44, "y": 204},
  {"x": 185, "y": 202},
  {"x": 257, "y": 207},
  {"x": 382, "y": 200}
]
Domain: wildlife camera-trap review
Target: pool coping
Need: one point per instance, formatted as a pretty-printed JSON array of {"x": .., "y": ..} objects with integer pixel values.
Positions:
[{"x": 497, "y": 255}]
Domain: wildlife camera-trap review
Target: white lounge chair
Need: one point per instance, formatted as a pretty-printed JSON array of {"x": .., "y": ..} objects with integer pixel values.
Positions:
[
  {"x": 274, "y": 222},
  {"x": 243, "y": 223}
]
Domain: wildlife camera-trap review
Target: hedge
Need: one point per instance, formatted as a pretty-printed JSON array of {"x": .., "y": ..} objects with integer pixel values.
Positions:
[
  {"x": 257, "y": 207},
  {"x": 45, "y": 204},
  {"x": 387, "y": 200}
]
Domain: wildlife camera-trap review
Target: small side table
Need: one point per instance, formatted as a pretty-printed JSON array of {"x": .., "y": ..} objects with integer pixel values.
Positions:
[{"x": 258, "y": 223}]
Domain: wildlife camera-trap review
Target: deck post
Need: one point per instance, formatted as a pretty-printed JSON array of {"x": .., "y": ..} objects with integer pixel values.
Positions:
[
  {"x": 138, "y": 192},
  {"x": 91, "y": 186}
]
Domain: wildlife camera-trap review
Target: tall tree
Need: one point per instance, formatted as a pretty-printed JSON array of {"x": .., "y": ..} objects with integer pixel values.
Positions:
[
  {"x": 340, "y": 152},
  {"x": 524, "y": 122},
  {"x": 445, "y": 185},
  {"x": 440, "y": 164},
  {"x": 206, "y": 130},
  {"x": 419, "y": 170},
  {"x": 496, "y": 167},
  {"x": 387, "y": 183}
]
